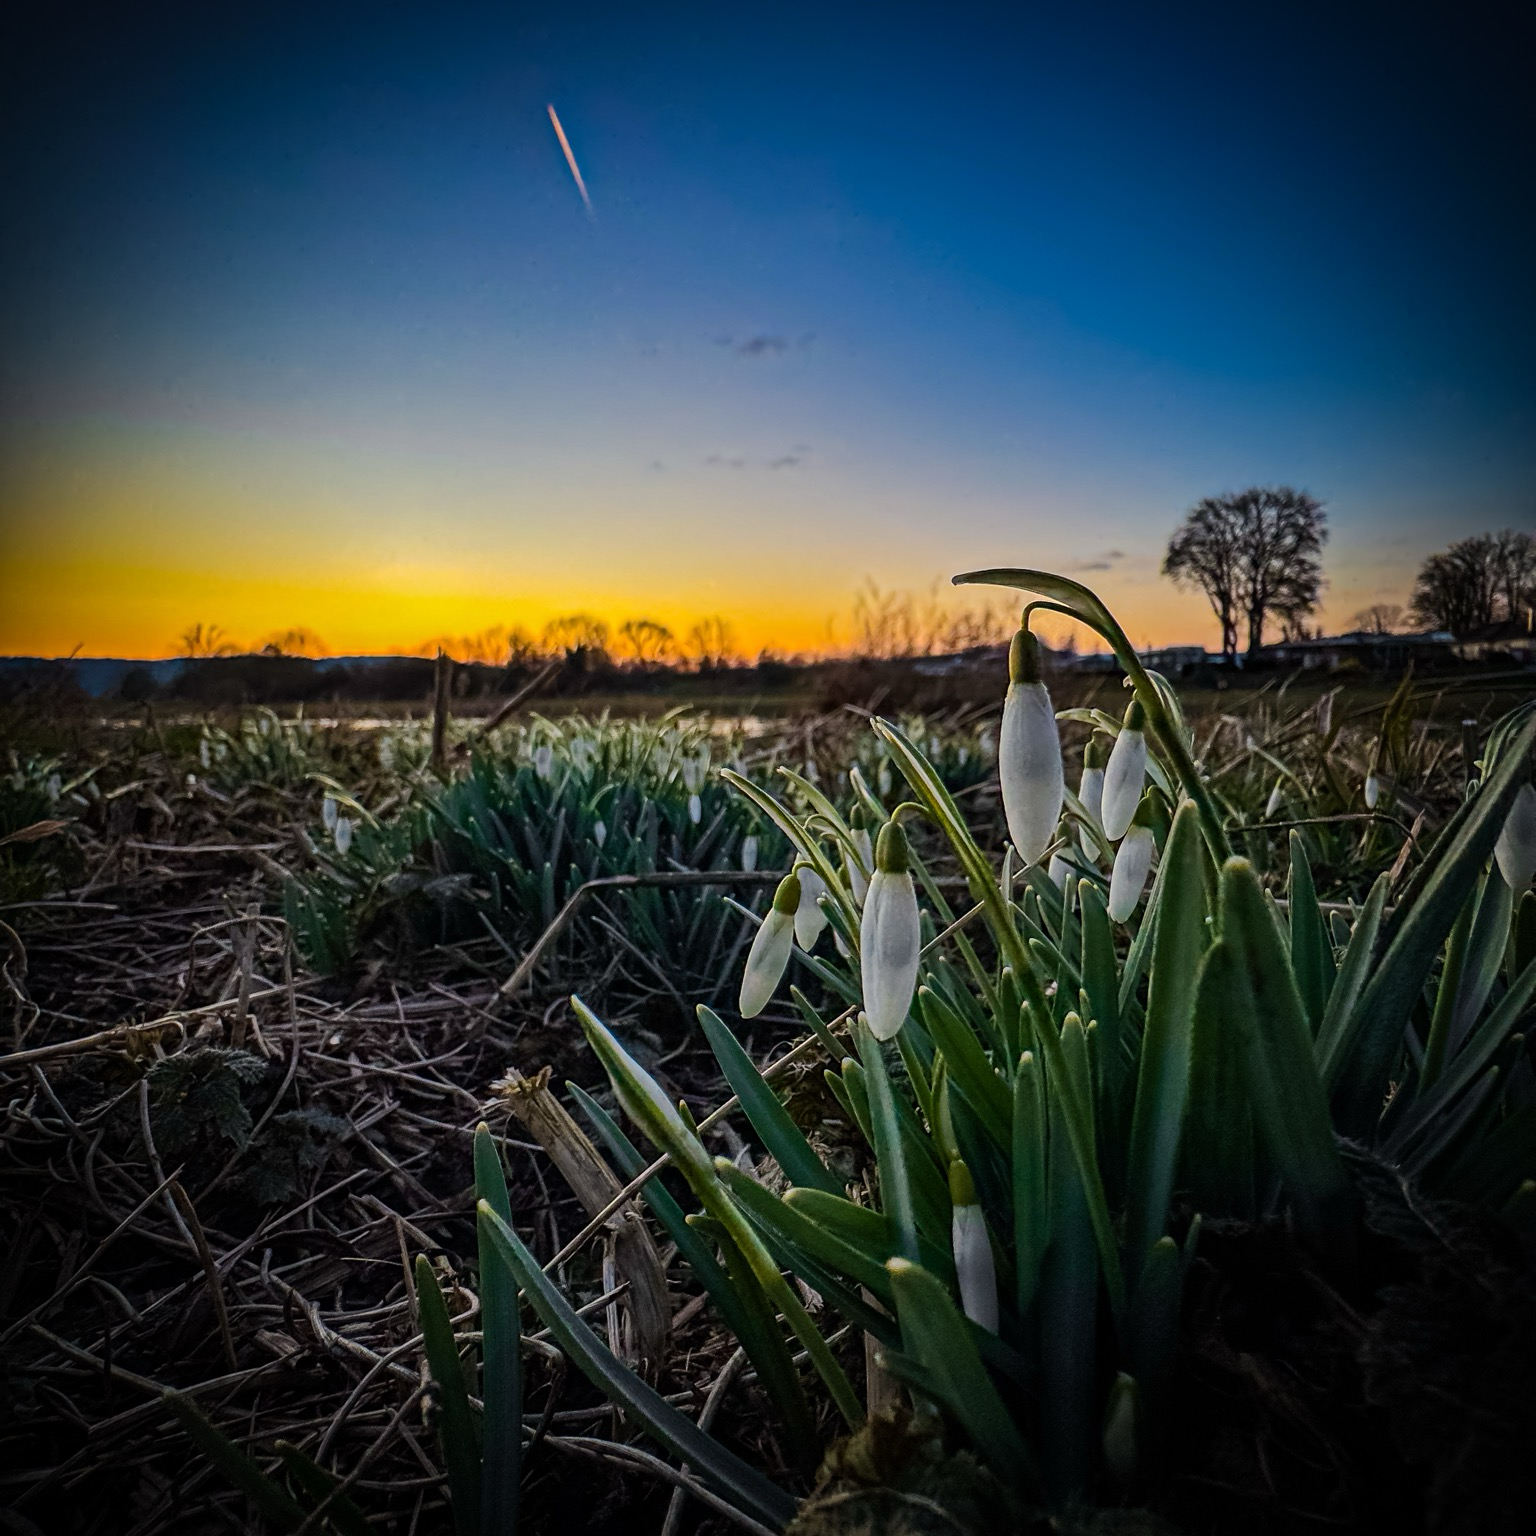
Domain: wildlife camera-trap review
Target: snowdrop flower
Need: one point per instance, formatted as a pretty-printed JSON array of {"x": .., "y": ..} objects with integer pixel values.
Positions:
[
  {"x": 1515, "y": 850},
  {"x": 328, "y": 810},
  {"x": 889, "y": 936},
  {"x": 812, "y": 774},
  {"x": 696, "y": 770},
  {"x": 963, "y": 756},
  {"x": 1090, "y": 790},
  {"x": 883, "y": 776},
  {"x": 1372, "y": 790},
  {"x": 986, "y": 744},
  {"x": 55, "y": 786},
  {"x": 770, "y": 949},
  {"x": 1276, "y": 800},
  {"x": 858, "y": 876},
  {"x": 974, "y": 1267},
  {"x": 1058, "y": 871},
  {"x": 191, "y": 782},
  {"x": 1133, "y": 861},
  {"x": 599, "y": 832},
  {"x": 204, "y": 756},
  {"x": 695, "y": 809},
  {"x": 343, "y": 834},
  {"x": 387, "y": 753},
  {"x": 221, "y": 752},
  {"x": 1125, "y": 773},
  {"x": 1029, "y": 753},
  {"x": 544, "y": 760},
  {"x": 749, "y": 852},
  {"x": 809, "y": 918}
]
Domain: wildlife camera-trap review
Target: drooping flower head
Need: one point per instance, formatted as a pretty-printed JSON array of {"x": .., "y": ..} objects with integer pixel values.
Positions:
[
  {"x": 1126, "y": 773},
  {"x": 859, "y": 867},
  {"x": 1515, "y": 851},
  {"x": 1133, "y": 862},
  {"x": 770, "y": 949},
  {"x": 1029, "y": 753},
  {"x": 890, "y": 938},
  {"x": 1090, "y": 791},
  {"x": 975, "y": 1270}
]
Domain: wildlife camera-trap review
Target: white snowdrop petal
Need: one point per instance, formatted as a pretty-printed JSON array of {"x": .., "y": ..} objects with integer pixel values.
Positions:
[
  {"x": 599, "y": 832},
  {"x": 1091, "y": 792},
  {"x": 1133, "y": 861},
  {"x": 1275, "y": 801},
  {"x": 809, "y": 918},
  {"x": 695, "y": 809},
  {"x": 1029, "y": 768},
  {"x": 343, "y": 834},
  {"x": 1372, "y": 791},
  {"x": 1059, "y": 870},
  {"x": 766, "y": 961},
  {"x": 1124, "y": 778},
  {"x": 858, "y": 878},
  {"x": 1515, "y": 851},
  {"x": 749, "y": 853},
  {"x": 975, "y": 1269},
  {"x": 889, "y": 942},
  {"x": 328, "y": 809}
]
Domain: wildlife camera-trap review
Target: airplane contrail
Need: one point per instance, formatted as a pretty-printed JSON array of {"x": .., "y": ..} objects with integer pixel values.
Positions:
[{"x": 570, "y": 160}]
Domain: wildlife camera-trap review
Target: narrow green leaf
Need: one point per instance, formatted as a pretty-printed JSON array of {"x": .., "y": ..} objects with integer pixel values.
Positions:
[
  {"x": 890, "y": 1153},
  {"x": 1217, "y": 1160},
  {"x": 938, "y": 1338},
  {"x": 501, "y": 1373},
  {"x": 1289, "y": 1106},
  {"x": 968, "y": 1066},
  {"x": 1375, "y": 1035},
  {"x": 238, "y": 1468},
  {"x": 341, "y": 1512},
  {"x": 1031, "y": 1213},
  {"x": 870, "y": 1231},
  {"x": 741, "y": 1484},
  {"x": 1311, "y": 953},
  {"x": 1162, "y": 1081},
  {"x": 1152, "y": 1331},
  {"x": 1069, "y": 1296},
  {"x": 461, "y": 1446},
  {"x": 781, "y": 1136},
  {"x": 1101, "y": 978},
  {"x": 1332, "y": 1035}
]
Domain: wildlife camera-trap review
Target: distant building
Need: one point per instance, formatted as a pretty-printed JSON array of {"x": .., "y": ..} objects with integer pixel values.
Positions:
[
  {"x": 1364, "y": 650},
  {"x": 1511, "y": 642}
]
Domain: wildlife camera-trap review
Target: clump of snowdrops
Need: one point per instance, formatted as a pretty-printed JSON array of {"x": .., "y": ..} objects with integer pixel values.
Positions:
[{"x": 1121, "y": 1034}]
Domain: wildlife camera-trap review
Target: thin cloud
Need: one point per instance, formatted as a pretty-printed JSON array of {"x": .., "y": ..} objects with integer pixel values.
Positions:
[
  {"x": 762, "y": 346},
  {"x": 1105, "y": 562}
]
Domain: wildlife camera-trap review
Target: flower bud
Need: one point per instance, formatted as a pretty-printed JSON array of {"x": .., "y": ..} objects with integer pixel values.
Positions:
[
  {"x": 1276, "y": 799},
  {"x": 1133, "y": 862},
  {"x": 695, "y": 809},
  {"x": 1372, "y": 790},
  {"x": 1515, "y": 851},
  {"x": 328, "y": 810},
  {"x": 342, "y": 832},
  {"x": 1126, "y": 773},
  {"x": 1090, "y": 790},
  {"x": 770, "y": 949},
  {"x": 975, "y": 1269},
  {"x": 1029, "y": 753},
  {"x": 889, "y": 937}
]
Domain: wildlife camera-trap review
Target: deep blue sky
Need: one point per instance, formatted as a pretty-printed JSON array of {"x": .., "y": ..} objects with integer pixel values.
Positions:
[{"x": 302, "y": 320}]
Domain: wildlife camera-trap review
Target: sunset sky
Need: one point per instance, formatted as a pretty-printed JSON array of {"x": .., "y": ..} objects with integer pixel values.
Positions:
[{"x": 303, "y": 321}]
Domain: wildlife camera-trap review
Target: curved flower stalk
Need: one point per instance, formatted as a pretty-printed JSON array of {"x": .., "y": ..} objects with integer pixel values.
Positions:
[
  {"x": 889, "y": 937},
  {"x": 770, "y": 949},
  {"x": 809, "y": 918},
  {"x": 975, "y": 1269},
  {"x": 1133, "y": 863},
  {"x": 1090, "y": 790},
  {"x": 1029, "y": 753},
  {"x": 1125, "y": 775},
  {"x": 1515, "y": 851}
]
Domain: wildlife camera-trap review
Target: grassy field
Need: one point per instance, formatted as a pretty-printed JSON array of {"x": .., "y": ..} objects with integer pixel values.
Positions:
[{"x": 265, "y": 976}]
